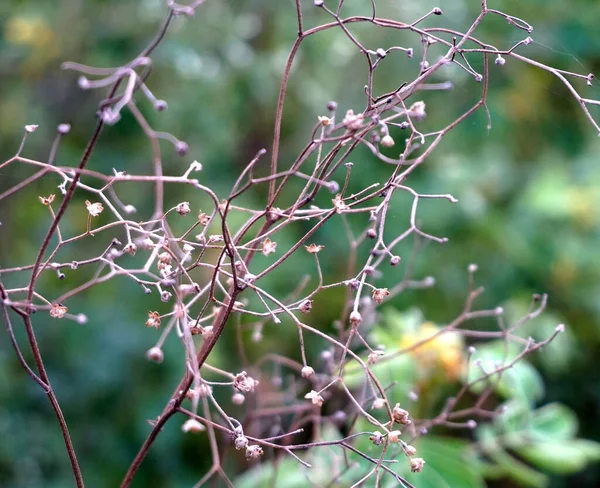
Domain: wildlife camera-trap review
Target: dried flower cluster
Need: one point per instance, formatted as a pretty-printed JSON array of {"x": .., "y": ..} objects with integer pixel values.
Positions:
[{"x": 211, "y": 278}]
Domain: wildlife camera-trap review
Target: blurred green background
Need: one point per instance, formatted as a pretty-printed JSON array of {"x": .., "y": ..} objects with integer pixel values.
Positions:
[{"x": 528, "y": 211}]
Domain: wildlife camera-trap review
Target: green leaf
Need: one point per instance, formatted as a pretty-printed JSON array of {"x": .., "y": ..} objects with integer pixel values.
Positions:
[
  {"x": 400, "y": 369},
  {"x": 554, "y": 457},
  {"x": 448, "y": 463},
  {"x": 553, "y": 422},
  {"x": 289, "y": 473},
  {"x": 510, "y": 466},
  {"x": 521, "y": 381}
]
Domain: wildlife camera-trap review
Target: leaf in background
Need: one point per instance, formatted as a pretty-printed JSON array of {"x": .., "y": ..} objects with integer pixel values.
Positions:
[
  {"x": 553, "y": 422},
  {"x": 448, "y": 463},
  {"x": 561, "y": 457},
  {"x": 511, "y": 467},
  {"x": 521, "y": 381}
]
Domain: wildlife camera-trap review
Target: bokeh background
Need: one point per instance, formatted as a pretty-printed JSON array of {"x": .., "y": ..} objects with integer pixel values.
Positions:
[{"x": 528, "y": 211}]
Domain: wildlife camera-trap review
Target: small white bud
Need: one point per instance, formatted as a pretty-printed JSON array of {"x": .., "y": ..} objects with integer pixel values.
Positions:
[
  {"x": 307, "y": 372},
  {"x": 155, "y": 354}
]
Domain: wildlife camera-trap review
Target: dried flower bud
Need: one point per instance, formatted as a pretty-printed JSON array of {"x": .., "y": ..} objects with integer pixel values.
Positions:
[
  {"x": 355, "y": 318},
  {"x": 305, "y": 306},
  {"x": 410, "y": 450},
  {"x": 314, "y": 249},
  {"x": 155, "y": 354},
  {"x": 160, "y": 105},
  {"x": 379, "y": 294},
  {"x": 94, "y": 209},
  {"x": 183, "y": 208},
  {"x": 130, "y": 248},
  {"x": 238, "y": 398},
  {"x": 437, "y": 11},
  {"x": 400, "y": 415},
  {"x": 323, "y": 120},
  {"x": 387, "y": 141},
  {"x": 31, "y": 128},
  {"x": 339, "y": 204},
  {"x": 394, "y": 436},
  {"x": 416, "y": 465},
  {"x": 153, "y": 320},
  {"x": 63, "y": 129},
  {"x": 307, "y": 372},
  {"x": 353, "y": 121},
  {"x": 253, "y": 452},
  {"x": 164, "y": 260},
  {"x": 193, "y": 426},
  {"x": 331, "y": 106},
  {"x": 58, "y": 311},
  {"x": 268, "y": 246},
  {"x": 371, "y": 233},
  {"x": 417, "y": 110},
  {"x": 203, "y": 218},
  {"x": 47, "y": 200},
  {"x": 181, "y": 148},
  {"x": 374, "y": 356},
  {"x": 315, "y": 398},
  {"x": 353, "y": 284},
  {"x": 395, "y": 260},
  {"x": 110, "y": 117},
  {"x": 241, "y": 442},
  {"x": 244, "y": 383},
  {"x": 207, "y": 332},
  {"x": 500, "y": 60},
  {"x": 376, "y": 437},
  {"x": 378, "y": 403}
]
